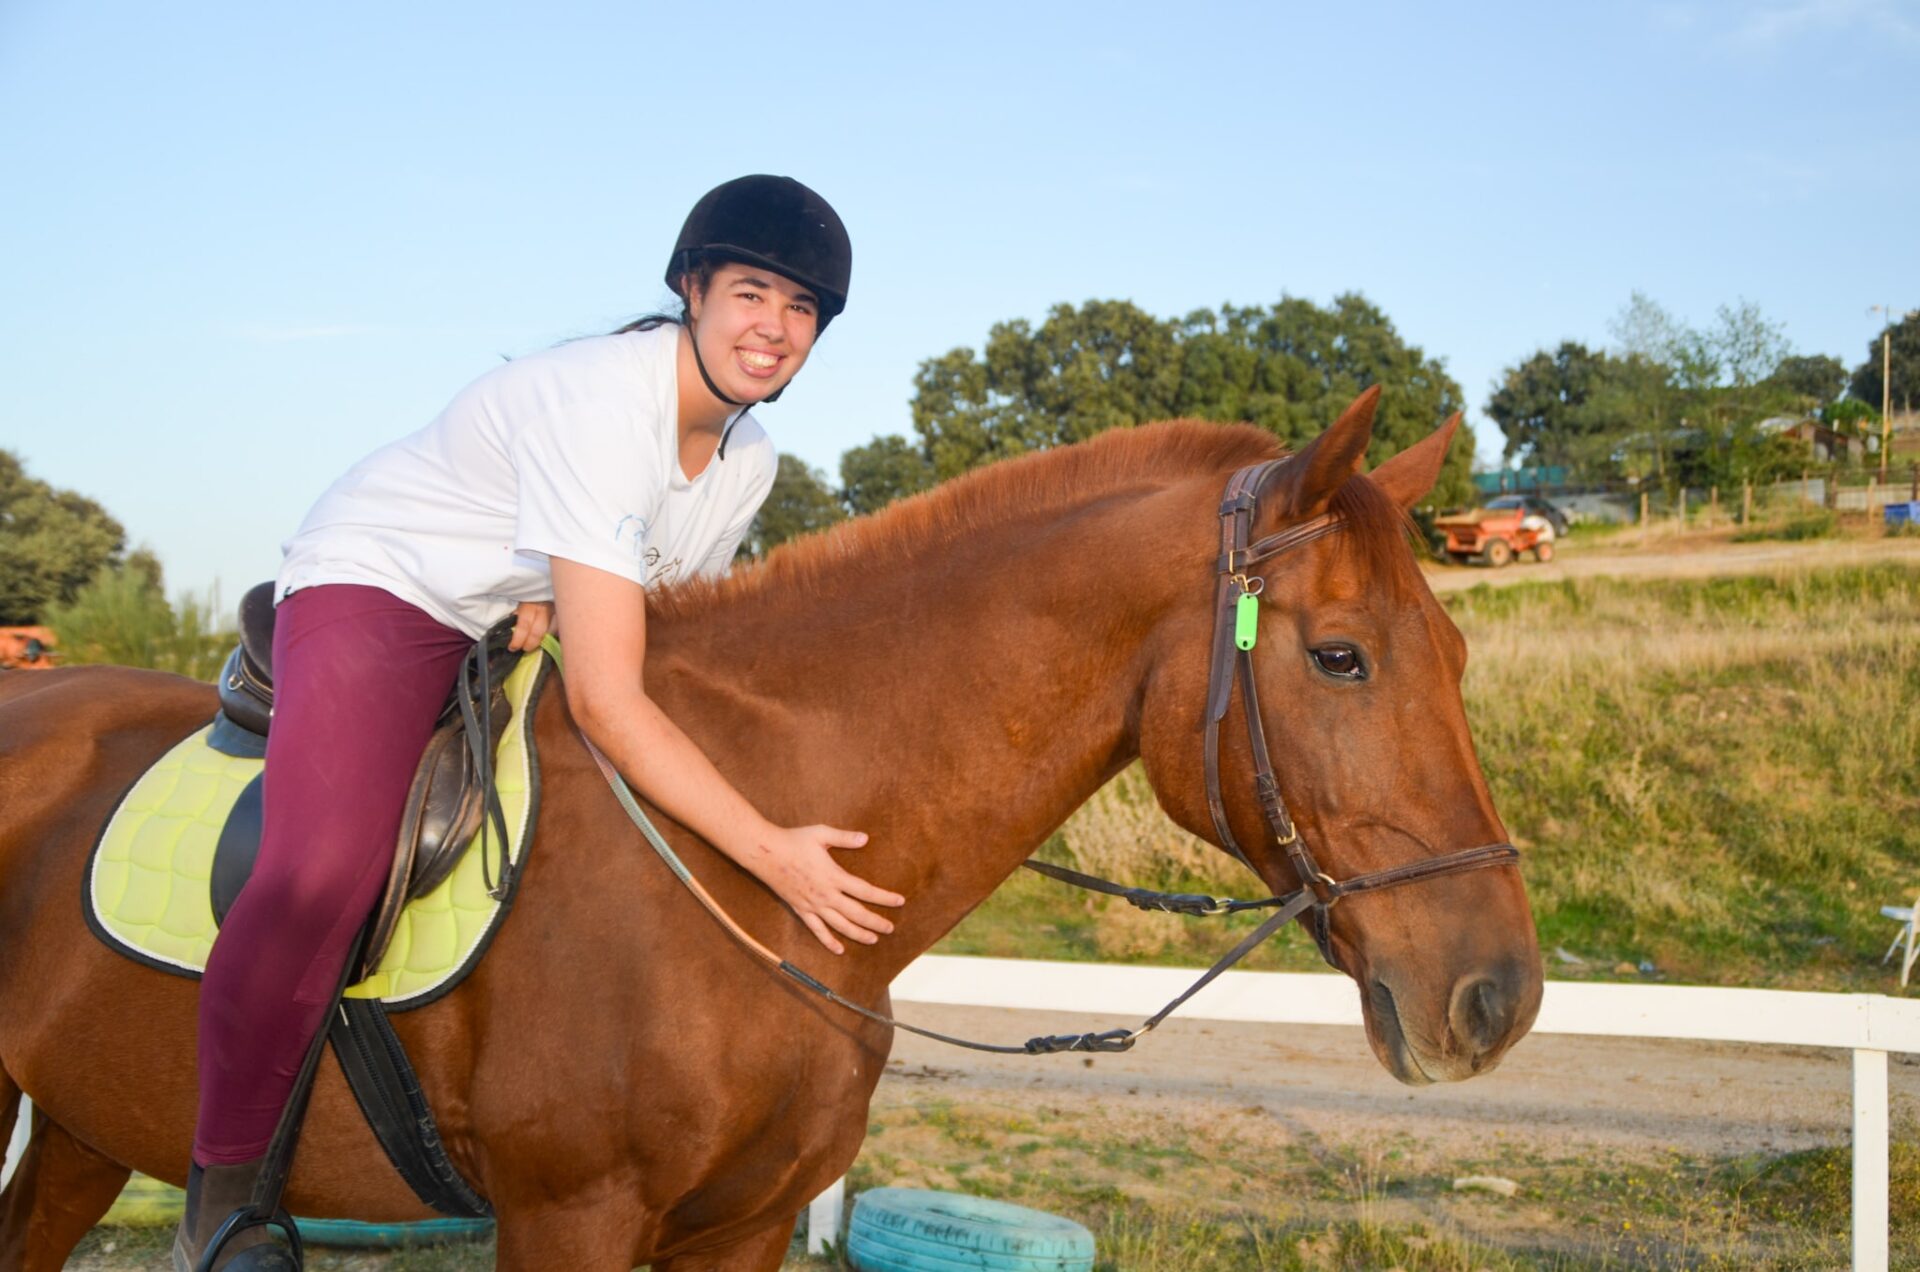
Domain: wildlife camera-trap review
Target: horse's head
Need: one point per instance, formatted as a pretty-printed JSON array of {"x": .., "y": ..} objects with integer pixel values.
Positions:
[{"x": 1358, "y": 675}]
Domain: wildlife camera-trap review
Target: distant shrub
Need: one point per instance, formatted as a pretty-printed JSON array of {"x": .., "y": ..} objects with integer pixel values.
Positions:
[
  {"x": 1819, "y": 524},
  {"x": 123, "y": 618}
]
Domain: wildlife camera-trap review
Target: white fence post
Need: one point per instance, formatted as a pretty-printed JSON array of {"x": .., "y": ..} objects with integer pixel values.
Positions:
[
  {"x": 18, "y": 1146},
  {"x": 823, "y": 1216},
  {"x": 1870, "y": 1117}
]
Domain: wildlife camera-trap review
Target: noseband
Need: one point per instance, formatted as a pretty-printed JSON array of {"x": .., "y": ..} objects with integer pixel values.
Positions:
[{"x": 1231, "y": 660}]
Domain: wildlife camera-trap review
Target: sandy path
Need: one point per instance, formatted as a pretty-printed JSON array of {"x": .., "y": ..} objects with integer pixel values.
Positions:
[
  {"x": 1554, "y": 1095},
  {"x": 1680, "y": 557}
]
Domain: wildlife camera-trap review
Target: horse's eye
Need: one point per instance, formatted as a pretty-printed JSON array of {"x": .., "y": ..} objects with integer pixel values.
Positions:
[{"x": 1340, "y": 661}]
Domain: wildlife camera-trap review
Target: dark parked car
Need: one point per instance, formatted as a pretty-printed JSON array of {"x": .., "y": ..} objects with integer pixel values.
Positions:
[{"x": 1535, "y": 505}]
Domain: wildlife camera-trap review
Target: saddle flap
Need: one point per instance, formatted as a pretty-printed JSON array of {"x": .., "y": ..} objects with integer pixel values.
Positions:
[{"x": 235, "y": 850}]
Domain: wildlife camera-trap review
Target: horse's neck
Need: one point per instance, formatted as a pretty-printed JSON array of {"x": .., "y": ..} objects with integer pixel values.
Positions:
[{"x": 957, "y": 710}]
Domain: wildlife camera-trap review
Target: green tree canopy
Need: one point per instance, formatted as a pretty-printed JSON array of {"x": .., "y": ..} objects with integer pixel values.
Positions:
[
  {"x": 52, "y": 543},
  {"x": 1816, "y": 379},
  {"x": 800, "y": 501},
  {"x": 1905, "y": 350},
  {"x": 1291, "y": 369},
  {"x": 1671, "y": 403},
  {"x": 1550, "y": 410},
  {"x": 885, "y": 469}
]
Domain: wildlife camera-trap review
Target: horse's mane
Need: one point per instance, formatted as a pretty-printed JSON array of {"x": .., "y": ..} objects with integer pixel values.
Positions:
[{"x": 1068, "y": 476}]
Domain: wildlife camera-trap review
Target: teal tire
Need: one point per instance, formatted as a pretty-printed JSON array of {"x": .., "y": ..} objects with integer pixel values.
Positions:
[
  {"x": 914, "y": 1230},
  {"x": 389, "y": 1236}
]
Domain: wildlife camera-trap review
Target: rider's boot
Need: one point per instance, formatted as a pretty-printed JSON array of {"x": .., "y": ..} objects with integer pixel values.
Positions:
[{"x": 213, "y": 1194}]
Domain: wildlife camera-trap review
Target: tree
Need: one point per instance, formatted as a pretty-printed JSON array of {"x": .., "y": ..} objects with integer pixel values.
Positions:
[
  {"x": 800, "y": 502},
  {"x": 1905, "y": 351},
  {"x": 1106, "y": 364},
  {"x": 1852, "y": 413},
  {"x": 123, "y": 617},
  {"x": 52, "y": 542},
  {"x": 885, "y": 469},
  {"x": 1291, "y": 369},
  {"x": 1545, "y": 405},
  {"x": 1745, "y": 346},
  {"x": 1815, "y": 380},
  {"x": 1670, "y": 403}
]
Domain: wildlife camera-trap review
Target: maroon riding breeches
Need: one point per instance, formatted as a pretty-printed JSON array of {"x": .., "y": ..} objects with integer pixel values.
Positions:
[{"x": 359, "y": 676}]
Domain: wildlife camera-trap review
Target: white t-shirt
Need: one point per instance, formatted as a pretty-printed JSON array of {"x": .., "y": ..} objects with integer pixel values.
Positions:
[{"x": 572, "y": 452}]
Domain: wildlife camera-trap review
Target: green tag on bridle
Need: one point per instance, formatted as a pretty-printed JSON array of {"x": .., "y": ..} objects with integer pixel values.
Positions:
[{"x": 1246, "y": 620}]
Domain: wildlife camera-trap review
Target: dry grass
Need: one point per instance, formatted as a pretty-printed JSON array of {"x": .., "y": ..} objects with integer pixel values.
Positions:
[{"x": 1716, "y": 776}]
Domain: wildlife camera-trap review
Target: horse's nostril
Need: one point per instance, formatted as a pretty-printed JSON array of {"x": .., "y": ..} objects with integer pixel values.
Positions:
[{"x": 1481, "y": 1013}]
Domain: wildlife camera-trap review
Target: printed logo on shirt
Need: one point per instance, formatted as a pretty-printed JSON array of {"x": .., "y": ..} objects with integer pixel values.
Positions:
[
  {"x": 632, "y": 531},
  {"x": 659, "y": 573}
]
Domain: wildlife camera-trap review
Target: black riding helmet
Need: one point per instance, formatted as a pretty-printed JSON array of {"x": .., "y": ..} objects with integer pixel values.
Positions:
[{"x": 774, "y": 222}]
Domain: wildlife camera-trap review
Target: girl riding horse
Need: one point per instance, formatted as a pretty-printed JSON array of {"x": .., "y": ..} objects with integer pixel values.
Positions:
[{"x": 557, "y": 488}]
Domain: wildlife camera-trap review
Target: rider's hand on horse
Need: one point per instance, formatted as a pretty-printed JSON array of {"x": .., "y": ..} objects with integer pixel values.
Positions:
[
  {"x": 532, "y": 620},
  {"x": 799, "y": 868}
]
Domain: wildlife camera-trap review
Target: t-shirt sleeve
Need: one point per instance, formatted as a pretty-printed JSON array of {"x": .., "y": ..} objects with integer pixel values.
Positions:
[
  {"x": 720, "y": 560},
  {"x": 590, "y": 489}
]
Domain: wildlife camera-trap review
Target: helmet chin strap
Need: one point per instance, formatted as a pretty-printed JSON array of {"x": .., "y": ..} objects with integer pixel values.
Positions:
[{"x": 694, "y": 338}]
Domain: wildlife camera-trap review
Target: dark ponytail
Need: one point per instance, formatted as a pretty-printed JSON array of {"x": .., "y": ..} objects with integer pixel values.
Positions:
[{"x": 698, "y": 274}]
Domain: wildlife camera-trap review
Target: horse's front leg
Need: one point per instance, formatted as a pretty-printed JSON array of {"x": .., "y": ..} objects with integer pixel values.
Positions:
[
  {"x": 60, "y": 1191},
  {"x": 764, "y": 1251},
  {"x": 582, "y": 1233}
]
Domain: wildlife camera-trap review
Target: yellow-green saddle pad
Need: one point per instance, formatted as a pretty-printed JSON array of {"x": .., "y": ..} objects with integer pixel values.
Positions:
[{"x": 148, "y": 892}]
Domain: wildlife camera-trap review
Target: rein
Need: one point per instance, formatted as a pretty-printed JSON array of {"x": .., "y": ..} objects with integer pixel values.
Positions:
[{"x": 1235, "y": 632}]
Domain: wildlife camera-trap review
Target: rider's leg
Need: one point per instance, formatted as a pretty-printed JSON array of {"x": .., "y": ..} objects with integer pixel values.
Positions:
[{"x": 359, "y": 677}]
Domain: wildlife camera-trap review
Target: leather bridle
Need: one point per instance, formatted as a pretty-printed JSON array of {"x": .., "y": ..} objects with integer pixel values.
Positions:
[{"x": 1231, "y": 660}]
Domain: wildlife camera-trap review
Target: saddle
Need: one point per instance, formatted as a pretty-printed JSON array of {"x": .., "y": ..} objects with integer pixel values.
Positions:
[{"x": 450, "y": 801}]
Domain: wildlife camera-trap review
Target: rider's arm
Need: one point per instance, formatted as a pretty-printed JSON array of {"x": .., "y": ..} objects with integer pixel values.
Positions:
[{"x": 604, "y": 618}]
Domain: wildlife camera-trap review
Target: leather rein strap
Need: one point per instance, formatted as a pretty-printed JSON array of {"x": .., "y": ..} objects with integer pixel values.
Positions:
[{"x": 1231, "y": 660}]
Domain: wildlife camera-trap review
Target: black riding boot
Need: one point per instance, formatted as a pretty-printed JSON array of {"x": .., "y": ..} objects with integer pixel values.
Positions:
[{"x": 213, "y": 1194}]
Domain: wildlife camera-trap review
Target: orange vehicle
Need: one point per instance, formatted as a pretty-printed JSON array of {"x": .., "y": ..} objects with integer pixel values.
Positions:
[
  {"x": 1493, "y": 535},
  {"x": 26, "y": 648}
]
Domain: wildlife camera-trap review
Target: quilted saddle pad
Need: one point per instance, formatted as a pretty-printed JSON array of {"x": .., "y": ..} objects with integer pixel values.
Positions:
[{"x": 147, "y": 892}]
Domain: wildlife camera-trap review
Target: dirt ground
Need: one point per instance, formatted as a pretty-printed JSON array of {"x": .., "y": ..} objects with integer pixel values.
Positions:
[
  {"x": 1555, "y": 1095},
  {"x": 1618, "y": 1148},
  {"x": 1672, "y": 555}
]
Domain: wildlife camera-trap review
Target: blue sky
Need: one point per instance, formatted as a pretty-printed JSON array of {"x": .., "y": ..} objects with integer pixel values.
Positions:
[{"x": 242, "y": 245}]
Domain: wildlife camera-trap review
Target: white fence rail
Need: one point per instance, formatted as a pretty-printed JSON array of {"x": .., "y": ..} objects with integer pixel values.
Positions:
[{"x": 1869, "y": 1025}]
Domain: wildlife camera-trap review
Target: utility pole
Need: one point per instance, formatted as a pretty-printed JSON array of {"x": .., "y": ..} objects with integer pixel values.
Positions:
[
  {"x": 1886, "y": 381},
  {"x": 1886, "y": 396}
]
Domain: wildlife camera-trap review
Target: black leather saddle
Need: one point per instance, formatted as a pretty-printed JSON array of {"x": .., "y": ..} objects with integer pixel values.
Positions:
[{"x": 451, "y": 797}]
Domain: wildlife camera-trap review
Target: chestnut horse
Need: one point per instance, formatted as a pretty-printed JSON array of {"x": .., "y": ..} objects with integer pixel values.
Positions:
[{"x": 955, "y": 675}]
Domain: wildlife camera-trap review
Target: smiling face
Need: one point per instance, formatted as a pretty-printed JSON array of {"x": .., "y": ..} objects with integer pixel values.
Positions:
[{"x": 754, "y": 328}]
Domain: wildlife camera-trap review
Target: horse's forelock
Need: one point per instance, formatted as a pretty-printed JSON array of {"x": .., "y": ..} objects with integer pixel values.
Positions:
[{"x": 1376, "y": 535}]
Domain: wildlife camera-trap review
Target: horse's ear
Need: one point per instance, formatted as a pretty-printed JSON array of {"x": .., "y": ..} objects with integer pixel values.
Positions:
[
  {"x": 1305, "y": 486},
  {"x": 1408, "y": 476}
]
